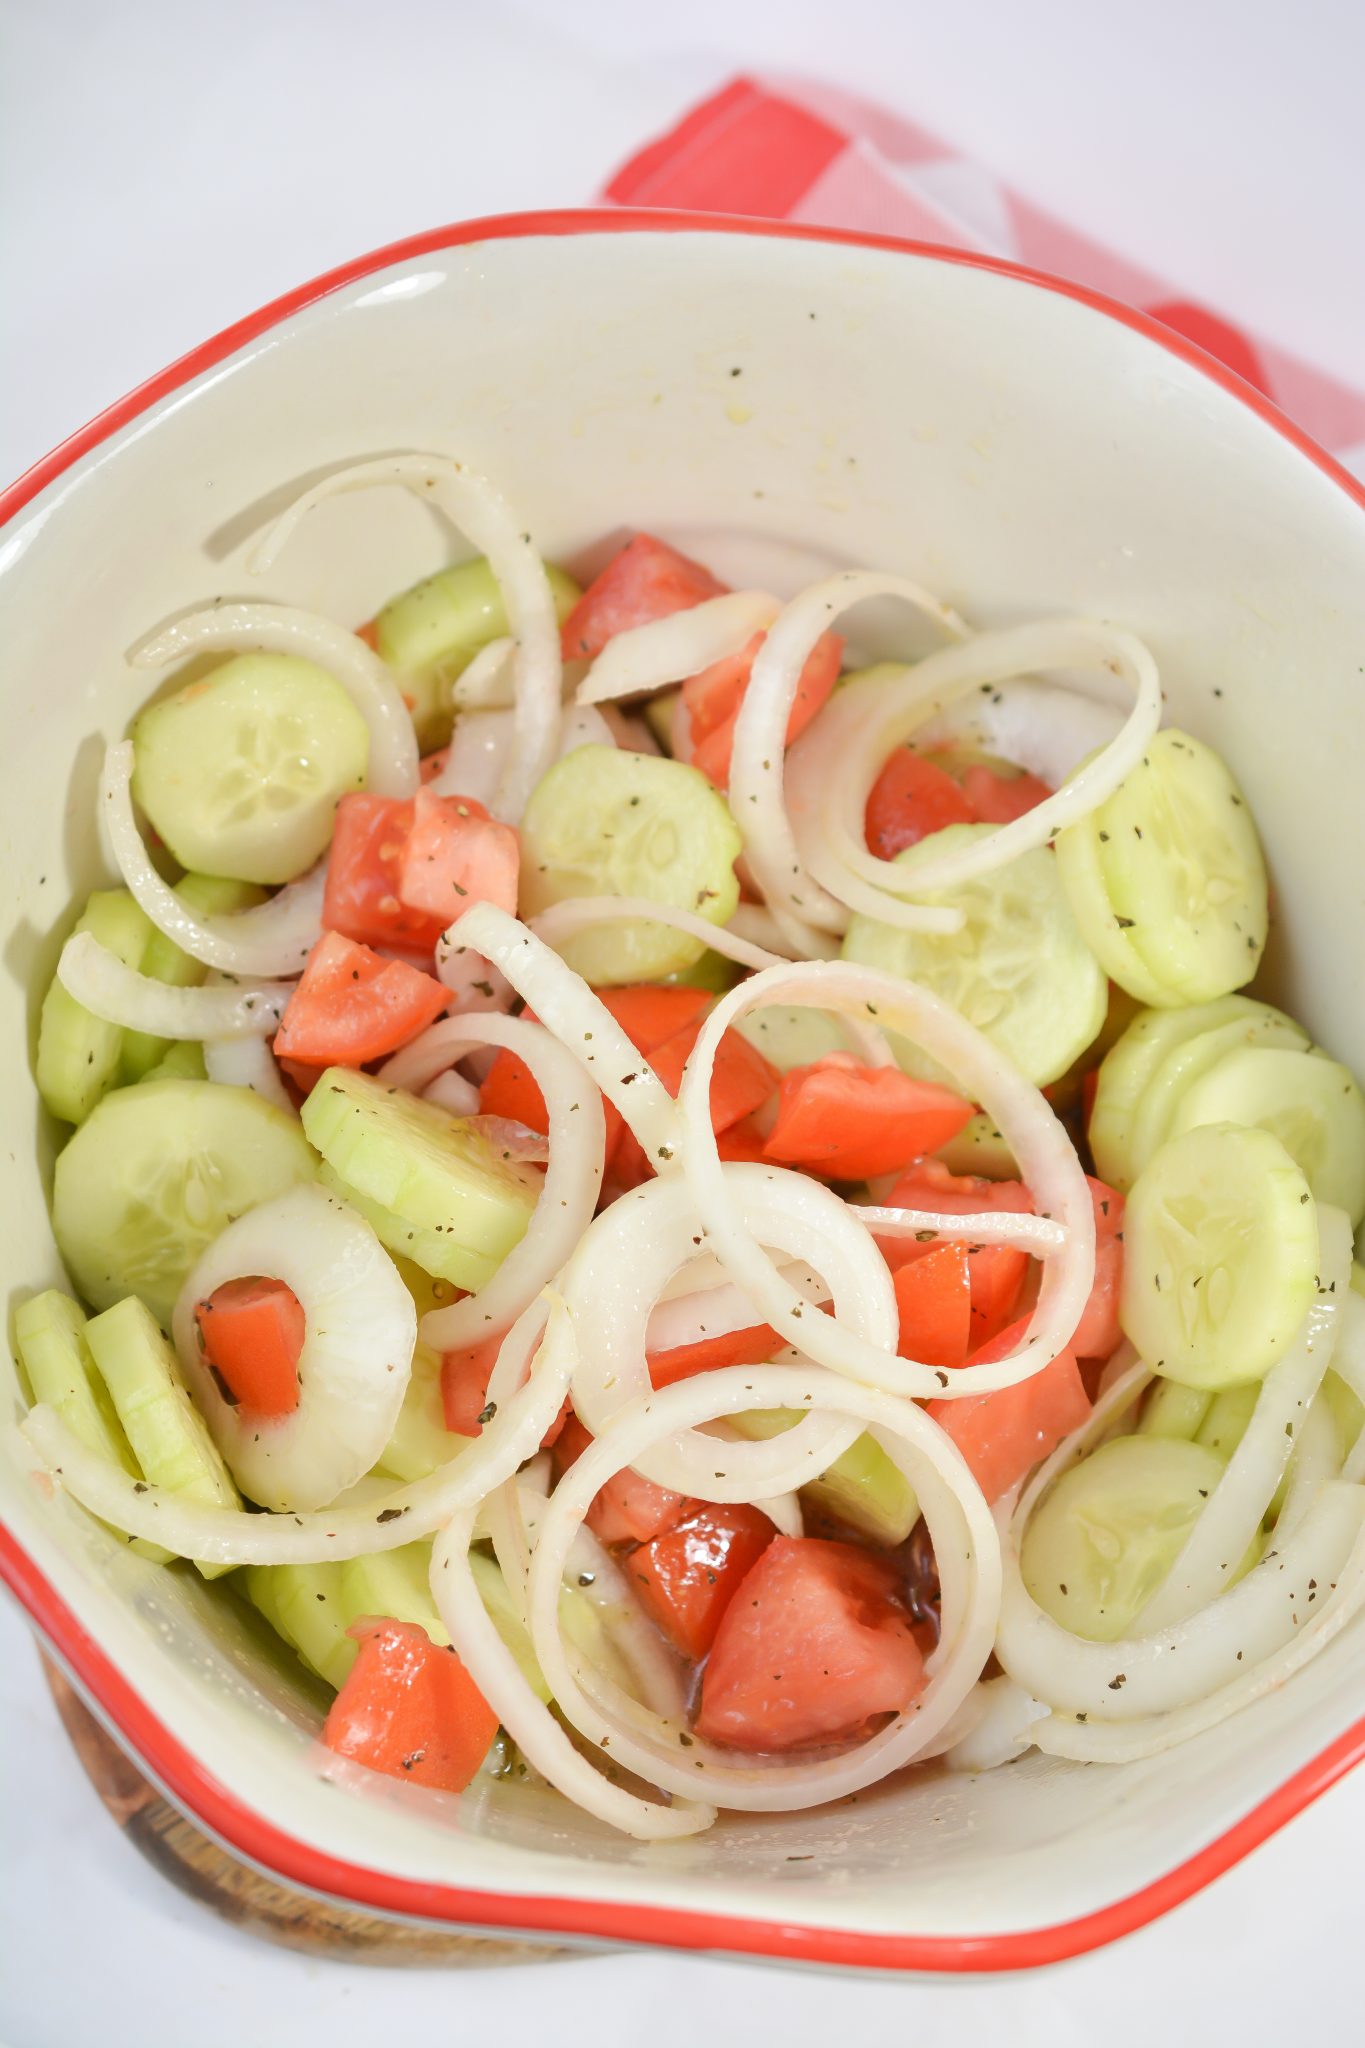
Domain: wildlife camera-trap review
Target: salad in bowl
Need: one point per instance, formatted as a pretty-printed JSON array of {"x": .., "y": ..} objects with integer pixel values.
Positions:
[{"x": 692, "y": 1216}]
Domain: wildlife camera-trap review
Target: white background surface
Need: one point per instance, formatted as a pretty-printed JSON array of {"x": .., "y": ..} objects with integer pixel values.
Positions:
[{"x": 166, "y": 167}]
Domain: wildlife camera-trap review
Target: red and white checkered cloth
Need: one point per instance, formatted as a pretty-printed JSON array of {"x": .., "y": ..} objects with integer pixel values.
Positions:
[{"x": 792, "y": 150}]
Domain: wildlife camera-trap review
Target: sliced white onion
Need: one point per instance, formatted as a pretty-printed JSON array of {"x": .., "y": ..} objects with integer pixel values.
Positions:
[
  {"x": 489, "y": 681},
  {"x": 756, "y": 923},
  {"x": 669, "y": 650},
  {"x": 1001, "y": 1728},
  {"x": 964, "y": 1545},
  {"x": 360, "y": 1327},
  {"x": 481, "y": 513},
  {"x": 247, "y": 1063},
  {"x": 477, "y": 757},
  {"x": 281, "y": 629},
  {"x": 1349, "y": 1364},
  {"x": 1217, "y": 1543},
  {"x": 688, "y": 1315},
  {"x": 622, "y": 1266},
  {"x": 1035, "y": 725},
  {"x": 573, "y": 1178},
  {"x": 838, "y": 759},
  {"x": 757, "y": 793},
  {"x": 1047, "y": 1162},
  {"x": 566, "y": 1005},
  {"x": 274, "y": 938},
  {"x": 576, "y": 914},
  {"x": 109, "y": 988},
  {"x": 451, "y": 1091},
  {"x": 1317, "y": 1459},
  {"x": 1037, "y": 1235},
  {"x": 230, "y": 1536},
  {"x": 584, "y": 726},
  {"x": 474, "y": 982}
]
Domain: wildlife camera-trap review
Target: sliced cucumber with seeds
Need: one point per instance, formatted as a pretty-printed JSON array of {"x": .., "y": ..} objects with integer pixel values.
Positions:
[
  {"x": 1313, "y": 1105},
  {"x": 1018, "y": 969},
  {"x": 863, "y": 1487},
  {"x": 788, "y": 1036},
  {"x": 79, "y": 1053},
  {"x": 431, "y": 633},
  {"x": 604, "y": 822},
  {"x": 1160, "y": 1107},
  {"x": 155, "y": 1173},
  {"x": 430, "y": 1185},
  {"x": 168, "y": 1435},
  {"x": 1134, "y": 1059},
  {"x": 241, "y": 772},
  {"x": 163, "y": 960},
  {"x": 1078, "y": 864},
  {"x": 1174, "y": 1411},
  {"x": 1182, "y": 864},
  {"x": 1108, "y": 1532},
  {"x": 1220, "y": 1256}
]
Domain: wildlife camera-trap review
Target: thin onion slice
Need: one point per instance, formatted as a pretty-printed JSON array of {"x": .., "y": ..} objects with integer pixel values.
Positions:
[
  {"x": 682, "y": 644},
  {"x": 525, "y": 1410},
  {"x": 245, "y": 1063},
  {"x": 282, "y": 629},
  {"x": 451, "y": 1091},
  {"x": 476, "y": 759},
  {"x": 274, "y": 938},
  {"x": 360, "y": 1327},
  {"x": 576, "y": 914},
  {"x": 474, "y": 982},
  {"x": 573, "y": 1178},
  {"x": 757, "y": 794},
  {"x": 1047, "y": 1161},
  {"x": 1039, "y": 726},
  {"x": 1037, "y": 1235},
  {"x": 566, "y": 1005},
  {"x": 109, "y": 988},
  {"x": 472, "y": 505},
  {"x": 488, "y": 682}
]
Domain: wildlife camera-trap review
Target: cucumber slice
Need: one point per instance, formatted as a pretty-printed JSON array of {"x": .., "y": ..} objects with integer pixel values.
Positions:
[
  {"x": 155, "y": 1173},
  {"x": 430, "y": 1186},
  {"x": 1078, "y": 864},
  {"x": 1134, "y": 1059},
  {"x": 169, "y": 1437},
  {"x": 395, "y": 1583},
  {"x": 431, "y": 633},
  {"x": 420, "y": 1440},
  {"x": 183, "y": 1061},
  {"x": 49, "y": 1330},
  {"x": 241, "y": 772},
  {"x": 305, "y": 1604},
  {"x": 1109, "y": 1531},
  {"x": 863, "y": 1487},
  {"x": 1182, "y": 863},
  {"x": 604, "y": 822},
  {"x": 502, "y": 1612},
  {"x": 1019, "y": 969},
  {"x": 1226, "y": 1418},
  {"x": 79, "y": 1053},
  {"x": 979, "y": 1148},
  {"x": 1220, "y": 1256},
  {"x": 1310, "y": 1103},
  {"x": 790, "y": 1037},
  {"x": 1174, "y": 1411},
  {"x": 1160, "y": 1109},
  {"x": 712, "y": 971},
  {"x": 163, "y": 960}
]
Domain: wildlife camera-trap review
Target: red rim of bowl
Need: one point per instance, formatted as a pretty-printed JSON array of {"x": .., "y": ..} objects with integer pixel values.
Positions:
[{"x": 248, "y": 1833}]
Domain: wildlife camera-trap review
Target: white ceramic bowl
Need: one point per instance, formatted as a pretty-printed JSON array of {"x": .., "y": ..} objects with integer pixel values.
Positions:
[{"x": 1022, "y": 447}]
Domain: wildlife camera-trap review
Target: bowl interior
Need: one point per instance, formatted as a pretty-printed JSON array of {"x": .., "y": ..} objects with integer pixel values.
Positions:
[{"x": 773, "y": 404}]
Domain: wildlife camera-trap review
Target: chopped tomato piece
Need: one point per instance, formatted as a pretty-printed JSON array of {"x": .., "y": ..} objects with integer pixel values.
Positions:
[
  {"x": 749, "y": 1346},
  {"x": 362, "y": 899},
  {"x": 629, "y": 1508},
  {"x": 845, "y": 1121},
  {"x": 910, "y": 799},
  {"x": 741, "y": 1079},
  {"x": 464, "y": 1391},
  {"x": 651, "y": 1013},
  {"x": 688, "y": 1576},
  {"x": 813, "y": 1646},
  {"x": 934, "y": 1298},
  {"x": 1000, "y": 799},
  {"x": 455, "y": 854},
  {"x": 1098, "y": 1330},
  {"x": 510, "y": 1089},
  {"x": 351, "y": 1005},
  {"x": 647, "y": 580},
  {"x": 997, "y": 1270},
  {"x": 1004, "y": 1435},
  {"x": 301, "y": 1074},
  {"x": 252, "y": 1332},
  {"x": 369, "y": 633},
  {"x": 743, "y": 1141},
  {"x": 714, "y": 696},
  {"x": 410, "y": 1709}
]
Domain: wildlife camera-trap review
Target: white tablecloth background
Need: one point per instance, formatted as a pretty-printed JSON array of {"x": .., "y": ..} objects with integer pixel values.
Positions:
[{"x": 166, "y": 167}]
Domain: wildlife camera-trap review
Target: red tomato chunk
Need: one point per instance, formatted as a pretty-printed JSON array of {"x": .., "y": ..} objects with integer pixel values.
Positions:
[
  {"x": 455, "y": 855},
  {"x": 813, "y": 1646},
  {"x": 910, "y": 799},
  {"x": 647, "y": 580},
  {"x": 749, "y": 1346},
  {"x": 1000, "y": 799},
  {"x": 252, "y": 1332},
  {"x": 410, "y": 1709},
  {"x": 997, "y": 1270},
  {"x": 351, "y": 1006},
  {"x": 1003, "y": 1435},
  {"x": 1098, "y": 1332},
  {"x": 464, "y": 1391},
  {"x": 628, "y": 1508},
  {"x": 362, "y": 899},
  {"x": 844, "y": 1121},
  {"x": 934, "y": 1298},
  {"x": 714, "y": 696},
  {"x": 688, "y": 1576}
]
